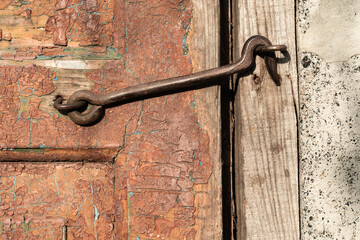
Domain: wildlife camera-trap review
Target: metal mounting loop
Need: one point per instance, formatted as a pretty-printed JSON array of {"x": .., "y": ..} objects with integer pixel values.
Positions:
[
  {"x": 67, "y": 107},
  {"x": 254, "y": 45}
]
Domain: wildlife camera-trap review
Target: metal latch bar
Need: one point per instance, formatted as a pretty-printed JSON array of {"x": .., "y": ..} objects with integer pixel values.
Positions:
[{"x": 78, "y": 101}]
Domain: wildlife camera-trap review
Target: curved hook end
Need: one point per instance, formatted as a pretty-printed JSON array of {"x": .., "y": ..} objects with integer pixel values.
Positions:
[
  {"x": 271, "y": 66},
  {"x": 270, "y": 60},
  {"x": 262, "y": 46}
]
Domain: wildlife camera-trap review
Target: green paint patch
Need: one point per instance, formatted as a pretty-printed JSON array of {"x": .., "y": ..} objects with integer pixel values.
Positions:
[
  {"x": 85, "y": 53},
  {"x": 191, "y": 178},
  {"x": 33, "y": 150},
  {"x": 181, "y": 6},
  {"x": 126, "y": 33},
  {"x": 22, "y": 2},
  {"x": 25, "y": 226},
  {"x": 43, "y": 57},
  {"x": 24, "y": 105},
  {"x": 112, "y": 53},
  {"x": 194, "y": 155},
  {"x": 193, "y": 104},
  {"x": 185, "y": 46}
]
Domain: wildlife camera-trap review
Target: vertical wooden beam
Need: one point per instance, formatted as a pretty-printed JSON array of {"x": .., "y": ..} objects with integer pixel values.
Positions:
[
  {"x": 266, "y": 155},
  {"x": 205, "y": 54}
]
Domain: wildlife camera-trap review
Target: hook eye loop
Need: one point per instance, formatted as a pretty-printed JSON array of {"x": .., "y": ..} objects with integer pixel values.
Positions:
[
  {"x": 88, "y": 117},
  {"x": 75, "y": 108},
  {"x": 67, "y": 107}
]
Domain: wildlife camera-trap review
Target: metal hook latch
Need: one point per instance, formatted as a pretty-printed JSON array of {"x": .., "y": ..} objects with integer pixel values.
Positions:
[{"x": 78, "y": 101}]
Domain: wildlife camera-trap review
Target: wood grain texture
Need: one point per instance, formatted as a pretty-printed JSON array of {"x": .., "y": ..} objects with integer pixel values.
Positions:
[
  {"x": 266, "y": 158},
  {"x": 205, "y": 54}
]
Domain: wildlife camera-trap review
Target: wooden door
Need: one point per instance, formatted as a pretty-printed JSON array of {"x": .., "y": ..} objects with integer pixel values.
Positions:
[
  {"x": 150, "y": 169},
  {"x": 204, "y": 164}
]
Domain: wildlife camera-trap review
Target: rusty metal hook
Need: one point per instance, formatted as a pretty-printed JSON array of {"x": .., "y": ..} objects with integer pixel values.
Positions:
[{"x": 254, "y": 45}]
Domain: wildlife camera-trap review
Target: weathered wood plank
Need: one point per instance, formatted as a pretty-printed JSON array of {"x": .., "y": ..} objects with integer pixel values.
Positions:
[
  {"x": 205, "y": 54},
  {"x": 162, "y": 183},
  {"x": 266, "y": 157},
  {"x": 168, "y": 182}
]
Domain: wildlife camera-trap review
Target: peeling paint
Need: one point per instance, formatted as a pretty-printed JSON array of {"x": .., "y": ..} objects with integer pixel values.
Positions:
[
  {"x": 41, "y": 203},
  {"x": 161, "y": 152}
]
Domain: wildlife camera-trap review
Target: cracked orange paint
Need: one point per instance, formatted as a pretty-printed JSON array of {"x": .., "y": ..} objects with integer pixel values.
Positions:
[
  {"x": 159, "y": 152},
  {"x": 38, "y": 199}
]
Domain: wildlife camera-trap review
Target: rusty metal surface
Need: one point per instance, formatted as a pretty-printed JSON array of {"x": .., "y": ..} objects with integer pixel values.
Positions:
[{"x": 78, "y": 100}]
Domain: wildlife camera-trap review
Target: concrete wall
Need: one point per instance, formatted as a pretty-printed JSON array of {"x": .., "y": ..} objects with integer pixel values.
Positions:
[{"x": 329, "y": 75}]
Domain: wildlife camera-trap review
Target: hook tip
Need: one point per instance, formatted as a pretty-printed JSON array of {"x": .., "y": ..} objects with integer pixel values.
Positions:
[{"x": 271, "y": 48}]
